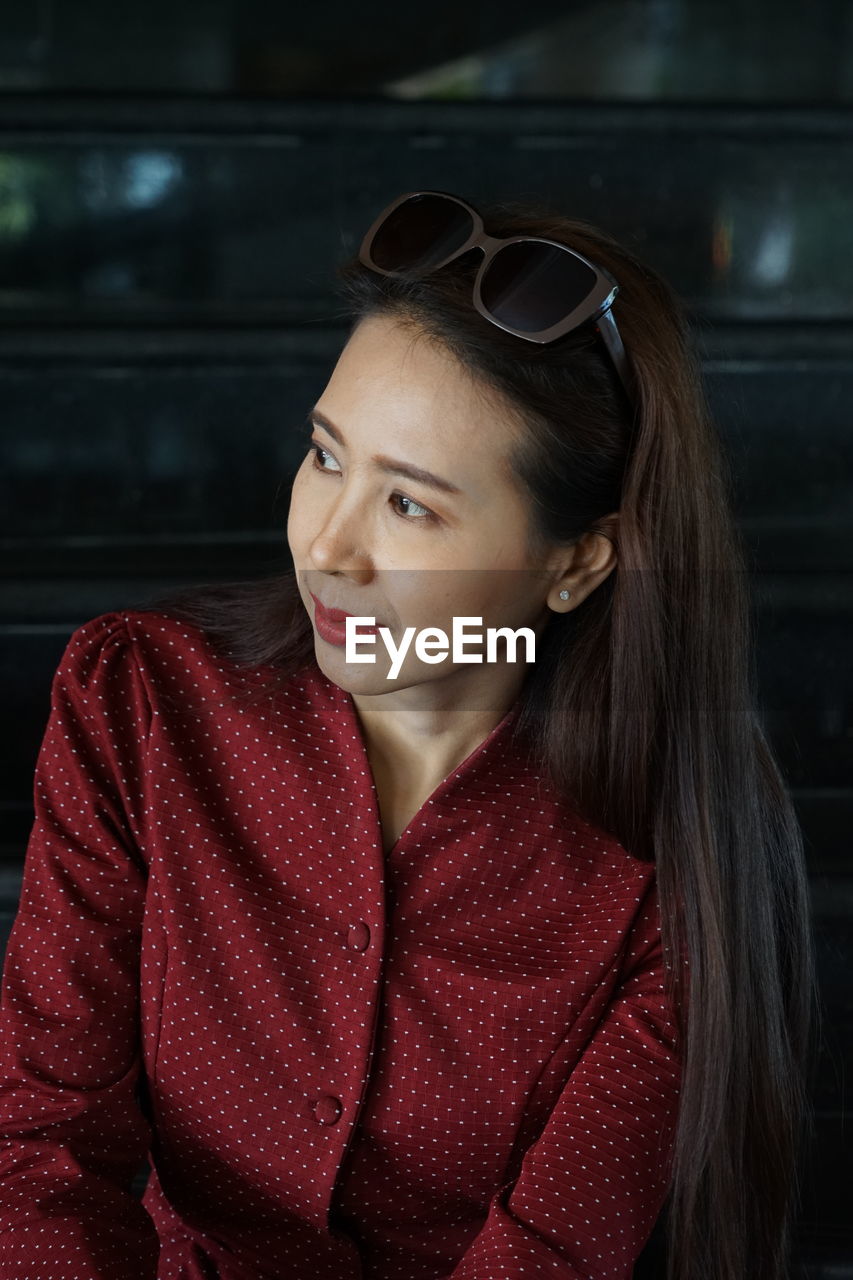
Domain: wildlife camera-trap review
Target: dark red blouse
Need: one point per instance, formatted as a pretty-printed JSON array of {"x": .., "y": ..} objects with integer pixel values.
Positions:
[{"x": 456, "y": 1061}]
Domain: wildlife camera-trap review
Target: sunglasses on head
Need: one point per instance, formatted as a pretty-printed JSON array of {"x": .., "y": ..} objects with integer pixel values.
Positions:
[{"x": 531, "y": 287}]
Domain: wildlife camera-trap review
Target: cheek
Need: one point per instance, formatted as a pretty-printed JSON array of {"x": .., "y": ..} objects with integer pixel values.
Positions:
[
  {"x": 499, "y": 596},
  {"x": 439, "y": 595},
  {"x": 299, "y": 511},
  {"x": 414, "y": 596},
  {"x": 292, "y": 525}
]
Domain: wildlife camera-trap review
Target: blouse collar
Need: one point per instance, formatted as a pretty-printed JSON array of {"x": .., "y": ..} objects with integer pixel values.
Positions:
[{"x": 481, "y": 767}]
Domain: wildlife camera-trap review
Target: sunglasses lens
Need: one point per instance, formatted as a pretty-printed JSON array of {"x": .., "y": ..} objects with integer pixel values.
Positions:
[
  {"x": 420, "y": 233},
  {"x": 530, "y": 286}
]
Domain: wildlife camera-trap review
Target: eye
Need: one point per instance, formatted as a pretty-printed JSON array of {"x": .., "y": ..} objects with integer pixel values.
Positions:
[
  {"x": 316, "y": 450},
  {"x": 414, "y": 512},
  {"x": 426, "y": 514}
]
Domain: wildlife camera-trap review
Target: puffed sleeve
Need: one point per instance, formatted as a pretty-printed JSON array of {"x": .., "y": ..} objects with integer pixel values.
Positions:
[
  {"x": 72, "y": 1131},
  {"x": 592, "y": 1185}
]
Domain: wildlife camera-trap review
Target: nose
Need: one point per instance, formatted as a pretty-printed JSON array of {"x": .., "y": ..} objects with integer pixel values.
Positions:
[{"x": 339, "y": 543}]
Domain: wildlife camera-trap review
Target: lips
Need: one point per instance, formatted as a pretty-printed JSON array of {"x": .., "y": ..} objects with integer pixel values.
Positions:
[{"x": 337, "y": 615}]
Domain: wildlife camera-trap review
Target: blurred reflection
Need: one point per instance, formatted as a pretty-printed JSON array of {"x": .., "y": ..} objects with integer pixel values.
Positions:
[
  {"x": 149, "y": 177},
  {"x": 775, "y": 248},
  {"x": 21, "y": 177},
  {"x": 776, "y": 243},
  {"x": 749, "y": 221},
  {"x": 112, "y": 179},
  {"x": 606, "y": 50}
]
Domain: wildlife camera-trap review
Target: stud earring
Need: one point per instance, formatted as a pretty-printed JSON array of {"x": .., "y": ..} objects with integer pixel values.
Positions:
[{"x": 565, "y": 593}]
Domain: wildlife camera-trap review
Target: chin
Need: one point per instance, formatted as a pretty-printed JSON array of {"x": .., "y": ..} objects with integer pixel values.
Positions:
[{"x": 353, "y": 677}]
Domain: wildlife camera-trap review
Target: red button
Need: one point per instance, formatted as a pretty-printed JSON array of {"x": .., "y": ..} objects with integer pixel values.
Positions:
[
  {"x": 358, "y": 936},
  {"x": 327, "y": 1109}
]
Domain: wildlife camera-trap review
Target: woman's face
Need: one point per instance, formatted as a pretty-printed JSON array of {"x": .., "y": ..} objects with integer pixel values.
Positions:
[{"x": 413, "y": 550}]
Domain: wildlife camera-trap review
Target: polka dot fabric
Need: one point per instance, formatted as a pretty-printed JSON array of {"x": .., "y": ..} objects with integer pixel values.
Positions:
[{"x": 456, "y": 1062}]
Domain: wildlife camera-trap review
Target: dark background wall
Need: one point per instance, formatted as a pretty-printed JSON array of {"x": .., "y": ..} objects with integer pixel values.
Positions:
[{"x": 177, "y": 181}]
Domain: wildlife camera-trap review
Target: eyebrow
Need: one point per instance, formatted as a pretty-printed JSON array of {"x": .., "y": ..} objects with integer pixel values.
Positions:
[{"x": 418, "y": 474}]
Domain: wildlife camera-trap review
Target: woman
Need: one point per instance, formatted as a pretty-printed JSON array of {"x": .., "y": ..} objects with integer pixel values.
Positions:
[{"x": 406, "y": 995}]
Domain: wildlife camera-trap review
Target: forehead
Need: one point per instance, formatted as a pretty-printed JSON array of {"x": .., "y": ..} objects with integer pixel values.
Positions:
[{"x": 394, "y": 386}]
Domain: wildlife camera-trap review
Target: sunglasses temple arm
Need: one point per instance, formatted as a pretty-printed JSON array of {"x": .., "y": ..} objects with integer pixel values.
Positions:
[{"x": 611, "y": 337}]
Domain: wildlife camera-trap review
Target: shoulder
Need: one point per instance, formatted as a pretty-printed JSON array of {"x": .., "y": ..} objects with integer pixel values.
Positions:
[
  {"x": 624, "y": 889},
  {"x": 128, "y": 627},
  {"x": 601, "y": 863},
  {"x": 627, "y": 889},
  {"x": 587, "y": 866},
  {"x": 611, "y": 860},
  {"x": 183, "y": 671},
  {"x": 150, "y": 652},
  {"x": 132, "y": 636},
  {"x": 96, "y": 653}
]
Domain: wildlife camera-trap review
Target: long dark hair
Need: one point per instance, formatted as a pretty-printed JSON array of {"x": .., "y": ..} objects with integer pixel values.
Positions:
[{"x": 642, "y": 707}]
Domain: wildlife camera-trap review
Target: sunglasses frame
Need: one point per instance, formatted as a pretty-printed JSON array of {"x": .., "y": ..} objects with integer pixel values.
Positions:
[{"x": 595, "y": 306}]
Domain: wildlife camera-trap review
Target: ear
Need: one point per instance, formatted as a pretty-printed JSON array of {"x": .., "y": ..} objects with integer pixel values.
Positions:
[
  {"x": 608, "y": 527},
  {"x": 592, "y": 558}
]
